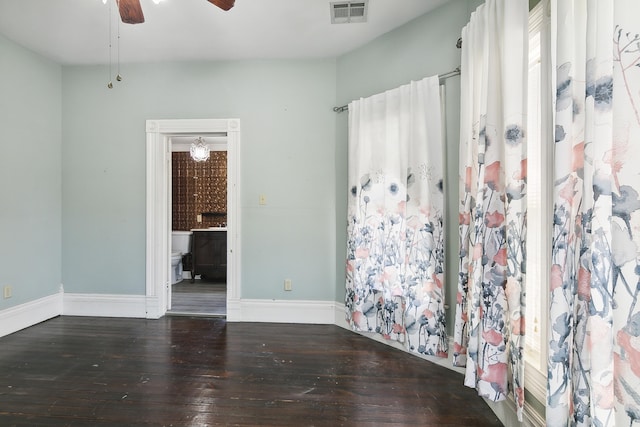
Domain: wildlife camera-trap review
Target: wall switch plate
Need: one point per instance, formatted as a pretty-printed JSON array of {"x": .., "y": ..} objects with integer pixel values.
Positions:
[
  {"x": 287, "y": 284},
  {"x": 199, "y": 218},
  {"x": 7, "y": 292},
  {"x": 262, "y": 200}
]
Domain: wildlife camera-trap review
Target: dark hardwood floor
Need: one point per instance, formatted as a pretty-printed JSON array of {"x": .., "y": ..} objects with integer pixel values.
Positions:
[{"x": 183, "y": 371}]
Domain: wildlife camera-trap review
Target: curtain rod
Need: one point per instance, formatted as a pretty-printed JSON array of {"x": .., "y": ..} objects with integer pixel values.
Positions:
[{"x": 454, "y": 72}]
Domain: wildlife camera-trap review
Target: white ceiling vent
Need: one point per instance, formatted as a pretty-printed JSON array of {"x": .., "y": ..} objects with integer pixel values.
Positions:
[{"x": 345, "y": 12}]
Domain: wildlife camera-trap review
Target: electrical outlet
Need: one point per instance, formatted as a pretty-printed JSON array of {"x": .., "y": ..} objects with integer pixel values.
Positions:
[
  {"x": 199, "y": 218},
  {"x": 287, "y": 284},
  {"x": 7, "y": 292}
]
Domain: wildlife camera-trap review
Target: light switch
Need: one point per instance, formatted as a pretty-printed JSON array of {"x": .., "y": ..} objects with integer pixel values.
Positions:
[{"x": 262, "y": 200}]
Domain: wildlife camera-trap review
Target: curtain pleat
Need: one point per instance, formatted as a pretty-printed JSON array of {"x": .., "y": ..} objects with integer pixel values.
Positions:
[{"x": 489, "y": 329}]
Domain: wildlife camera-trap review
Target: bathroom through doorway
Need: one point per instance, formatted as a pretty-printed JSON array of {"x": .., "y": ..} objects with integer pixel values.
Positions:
[{"x": 198, "y": 195}]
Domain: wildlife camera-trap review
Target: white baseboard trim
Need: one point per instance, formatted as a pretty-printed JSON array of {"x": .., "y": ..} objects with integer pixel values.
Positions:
[
  {"x": 31, "y": 313},
  {"x": 104, "y": 305},
  {"x": 281, "y": 311},
  {"x": 341, "y": 316},
  {"x": 153, "y": 308}
]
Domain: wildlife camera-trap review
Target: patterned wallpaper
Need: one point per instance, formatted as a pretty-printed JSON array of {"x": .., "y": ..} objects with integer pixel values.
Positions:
[{"x": 199, "y": 188}]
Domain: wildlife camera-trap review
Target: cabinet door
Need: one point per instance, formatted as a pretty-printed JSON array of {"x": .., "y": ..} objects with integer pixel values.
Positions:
[{"x": 210, "y": 255}]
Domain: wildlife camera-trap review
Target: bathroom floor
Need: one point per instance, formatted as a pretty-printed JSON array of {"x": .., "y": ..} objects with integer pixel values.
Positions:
[{"x": 199, "y": 298}]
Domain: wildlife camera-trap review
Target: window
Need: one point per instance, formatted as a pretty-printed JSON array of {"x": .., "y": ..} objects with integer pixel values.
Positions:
[{"x": 539, "y": 203}]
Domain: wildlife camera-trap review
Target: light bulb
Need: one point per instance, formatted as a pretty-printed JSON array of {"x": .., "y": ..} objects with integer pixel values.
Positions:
[{"x": 199, "y": 150}]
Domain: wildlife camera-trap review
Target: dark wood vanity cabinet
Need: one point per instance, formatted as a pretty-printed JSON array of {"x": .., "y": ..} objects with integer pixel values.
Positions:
[{"x": 209, "y": 249}]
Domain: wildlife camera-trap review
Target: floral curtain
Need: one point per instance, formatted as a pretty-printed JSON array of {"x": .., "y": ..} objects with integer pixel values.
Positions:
[
  {"x": 395, "y": 251},
  {"x": 489, "y": 328},
  {"x": 594, "y": 325}
]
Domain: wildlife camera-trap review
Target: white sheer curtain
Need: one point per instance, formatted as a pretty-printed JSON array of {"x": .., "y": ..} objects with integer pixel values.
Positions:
[
  {"x": 594, "y": 323},
  {"x": 395, "y": 254},
  {"x": 489, "y": 329}
]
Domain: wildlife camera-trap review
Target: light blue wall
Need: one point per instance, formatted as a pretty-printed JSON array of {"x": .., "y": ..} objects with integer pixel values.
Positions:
[
  {"x": 294, "y": 152},
  {"x": 424, "y": 47},
  {"x": 30, "y": 212},
  {"x": 287, "y": 154}
]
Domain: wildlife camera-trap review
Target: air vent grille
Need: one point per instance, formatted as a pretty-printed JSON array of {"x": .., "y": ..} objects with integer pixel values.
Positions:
[{"x": 346, "y": 12}]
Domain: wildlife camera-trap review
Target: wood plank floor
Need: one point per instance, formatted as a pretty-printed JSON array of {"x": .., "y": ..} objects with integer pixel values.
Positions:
[
  {"x": 182, "y": 371},
  {"x": 199, "y": 298}
]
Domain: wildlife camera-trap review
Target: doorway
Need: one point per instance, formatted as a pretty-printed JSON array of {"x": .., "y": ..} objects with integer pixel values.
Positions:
[
  {"x": 158, "y": 241},
  {"x": 198, "y": 199}
]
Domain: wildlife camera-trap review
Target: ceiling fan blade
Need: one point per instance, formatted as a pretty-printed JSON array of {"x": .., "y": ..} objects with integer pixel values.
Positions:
[
  {"x": 223, "y": 4},
  {"x": 130, "y": 11}
]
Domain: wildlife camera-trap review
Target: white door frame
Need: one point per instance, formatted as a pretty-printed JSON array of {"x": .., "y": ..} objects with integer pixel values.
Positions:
[{"x": 158, "y": 246}]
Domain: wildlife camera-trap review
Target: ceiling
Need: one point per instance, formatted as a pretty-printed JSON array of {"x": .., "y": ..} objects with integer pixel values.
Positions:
[{"x": 77, "y": 31}]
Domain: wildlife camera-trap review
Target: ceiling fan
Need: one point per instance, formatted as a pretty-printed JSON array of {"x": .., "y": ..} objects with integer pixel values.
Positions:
[{"x": 131, "y": 11}]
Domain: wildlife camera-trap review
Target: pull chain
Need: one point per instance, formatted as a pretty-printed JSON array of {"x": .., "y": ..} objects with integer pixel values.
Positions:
[
  {"x": 110, "y": 84},
  {"x": 119, "y": 77}
]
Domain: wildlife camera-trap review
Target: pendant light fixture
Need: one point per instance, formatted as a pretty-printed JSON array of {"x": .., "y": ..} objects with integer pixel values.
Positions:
[{"x": 199, "y": 150}]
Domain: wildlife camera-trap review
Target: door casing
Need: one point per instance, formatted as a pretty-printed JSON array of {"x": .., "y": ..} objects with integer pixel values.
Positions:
[{"x": 158, "y": 217}]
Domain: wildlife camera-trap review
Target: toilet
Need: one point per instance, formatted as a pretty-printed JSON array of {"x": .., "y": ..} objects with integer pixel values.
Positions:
[{"x": 180, "y": 245}]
